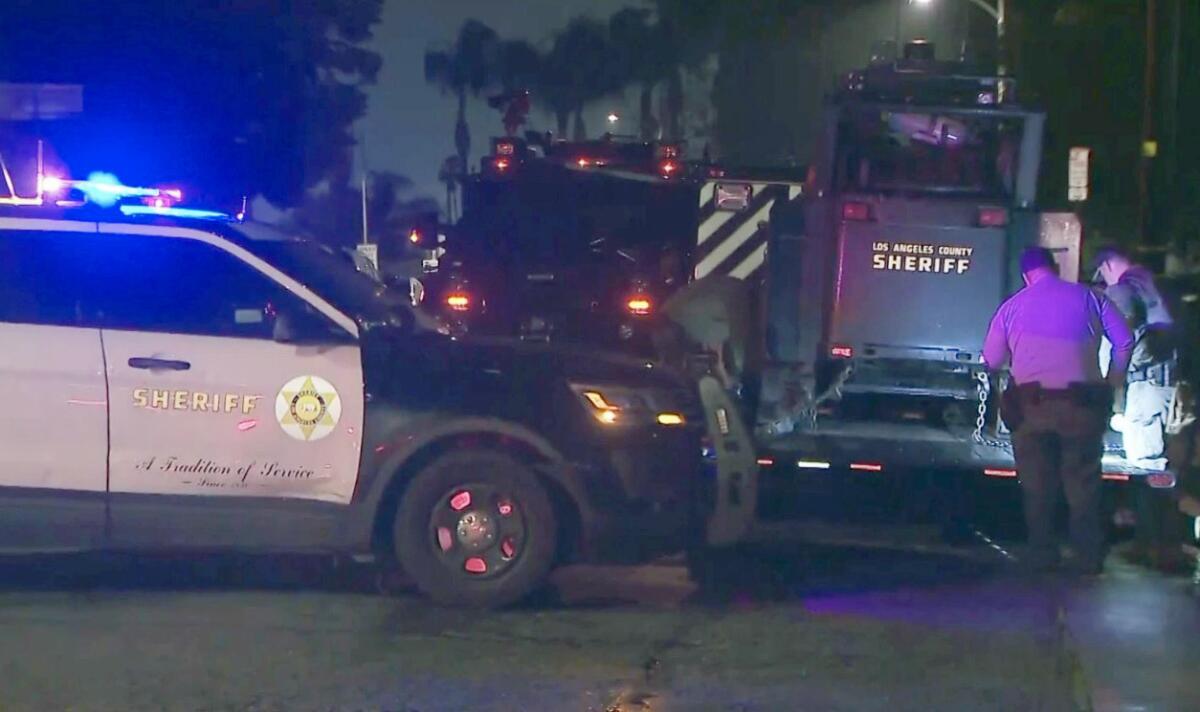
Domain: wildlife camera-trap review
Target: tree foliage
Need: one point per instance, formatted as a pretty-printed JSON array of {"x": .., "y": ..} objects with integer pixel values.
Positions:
[
  {"x": 333, "y": 213},
  {"x": 468, "y": 67},
  {"x": 225, "y": 97}
]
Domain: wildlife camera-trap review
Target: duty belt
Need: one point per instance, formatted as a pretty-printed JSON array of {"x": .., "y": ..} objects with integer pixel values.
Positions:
[{"x": 1159, "y": 374}]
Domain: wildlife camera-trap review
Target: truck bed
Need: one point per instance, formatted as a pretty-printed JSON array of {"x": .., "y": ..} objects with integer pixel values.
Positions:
[{"x": 876, "y": 446}]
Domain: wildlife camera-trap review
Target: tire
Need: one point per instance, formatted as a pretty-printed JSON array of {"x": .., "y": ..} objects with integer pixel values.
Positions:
[{"x": 476, "y": 529}]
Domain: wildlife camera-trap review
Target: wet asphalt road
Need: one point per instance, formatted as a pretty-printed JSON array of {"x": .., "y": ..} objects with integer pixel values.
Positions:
[{"x": 848, "y": 626}]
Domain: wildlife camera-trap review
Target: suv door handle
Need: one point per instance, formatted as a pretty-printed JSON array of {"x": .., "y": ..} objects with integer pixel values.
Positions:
[{"x": 158, "y": 364}]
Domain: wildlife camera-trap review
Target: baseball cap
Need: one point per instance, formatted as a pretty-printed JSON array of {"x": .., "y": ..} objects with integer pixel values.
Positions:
[{"x": 1104, "y": 254}]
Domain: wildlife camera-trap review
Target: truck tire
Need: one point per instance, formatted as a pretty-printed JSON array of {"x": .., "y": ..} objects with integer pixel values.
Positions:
[{"x": 475, "y": 529}]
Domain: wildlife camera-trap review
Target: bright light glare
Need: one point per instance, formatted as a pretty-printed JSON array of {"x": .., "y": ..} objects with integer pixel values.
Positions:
[
  {"x": 670, "y": 419},
  {"x": 168, "y": 211},
  {"x": 639, "y": 305},
  {"x": 51, "y": 184}
]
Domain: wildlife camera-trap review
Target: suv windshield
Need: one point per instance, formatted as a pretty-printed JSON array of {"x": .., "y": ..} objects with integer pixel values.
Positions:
[
  {"x": 326, "y": 271},
  {"x": 928, "y": 152}
]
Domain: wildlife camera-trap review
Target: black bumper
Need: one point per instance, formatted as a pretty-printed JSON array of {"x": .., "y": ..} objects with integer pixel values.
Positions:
[{"x": 642, "y": 501}]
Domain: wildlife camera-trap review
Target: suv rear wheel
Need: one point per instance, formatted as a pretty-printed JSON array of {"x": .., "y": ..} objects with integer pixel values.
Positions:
[{"x": 477, "y": 529}]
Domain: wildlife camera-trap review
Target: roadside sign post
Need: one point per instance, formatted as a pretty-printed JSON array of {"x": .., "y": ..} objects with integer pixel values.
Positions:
[
  {"x": 1078, "y": 167},
  {"x": 371, "y": 252}
]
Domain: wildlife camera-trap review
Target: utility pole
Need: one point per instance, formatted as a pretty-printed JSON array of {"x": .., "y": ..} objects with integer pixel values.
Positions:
[
  {"x": 1170, "y": 166},
  {"x": 1149, "y": 147}
]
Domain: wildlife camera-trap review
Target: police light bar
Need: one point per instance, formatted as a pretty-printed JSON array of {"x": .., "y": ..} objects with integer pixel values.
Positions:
[
  {"x": 173, "y": 212},
  {"x": 105, "y": 189}
]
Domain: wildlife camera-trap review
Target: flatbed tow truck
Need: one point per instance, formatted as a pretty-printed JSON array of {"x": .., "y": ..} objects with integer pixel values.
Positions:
[{"x": 878, "y": 283}]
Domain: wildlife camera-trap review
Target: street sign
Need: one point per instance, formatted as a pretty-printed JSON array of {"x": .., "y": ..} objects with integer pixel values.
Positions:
[
  {"x": 371, "y": 252},
  {"x": 39, "y": 102},
  {"x": 1077, "y": 174}
]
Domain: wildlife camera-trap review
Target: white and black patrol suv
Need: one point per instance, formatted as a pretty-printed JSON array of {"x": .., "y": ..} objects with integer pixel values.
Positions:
[{"x": 204, "y": 385}]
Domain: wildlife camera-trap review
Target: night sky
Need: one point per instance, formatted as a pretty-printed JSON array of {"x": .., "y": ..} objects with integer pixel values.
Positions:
[{"x": 409, "y": 127}]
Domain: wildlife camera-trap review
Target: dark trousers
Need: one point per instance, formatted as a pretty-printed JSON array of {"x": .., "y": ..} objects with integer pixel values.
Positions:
[{"x": 1058, "y": 445}]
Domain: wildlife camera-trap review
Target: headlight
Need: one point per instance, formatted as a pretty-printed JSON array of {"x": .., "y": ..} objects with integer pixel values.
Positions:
[{"x": 618, "y": 405}]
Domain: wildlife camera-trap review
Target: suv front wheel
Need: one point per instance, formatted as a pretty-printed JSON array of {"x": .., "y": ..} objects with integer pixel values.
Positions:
[{"x": 477, "y": 529}]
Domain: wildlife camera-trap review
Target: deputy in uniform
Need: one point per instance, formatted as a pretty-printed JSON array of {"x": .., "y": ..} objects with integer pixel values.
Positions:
[
  {"x": 1152, "y": 412},
  {"x": 1058, "y": 403},
  {"x": 1151, "y": 379}
]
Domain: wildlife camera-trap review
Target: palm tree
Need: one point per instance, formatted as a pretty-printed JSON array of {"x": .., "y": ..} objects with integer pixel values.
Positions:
[
  {"x": 579, "y": 70},
  {"x": 640, "y": 60},
  {"x": 518, "y": 65},
  {"x": 465, "y": 68}
]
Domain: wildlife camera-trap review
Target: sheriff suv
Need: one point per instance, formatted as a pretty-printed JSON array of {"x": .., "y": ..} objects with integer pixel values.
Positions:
[{"x": 184, "y": 384}]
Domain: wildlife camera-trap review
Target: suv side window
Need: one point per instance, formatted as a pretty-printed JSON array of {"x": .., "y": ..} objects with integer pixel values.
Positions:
[
  {"x": 147, "y": 283},
  {"x": 35, "y": 286}
]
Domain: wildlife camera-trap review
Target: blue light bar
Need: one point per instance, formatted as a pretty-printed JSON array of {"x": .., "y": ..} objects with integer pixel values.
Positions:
[{"x": 133, "y": 210}]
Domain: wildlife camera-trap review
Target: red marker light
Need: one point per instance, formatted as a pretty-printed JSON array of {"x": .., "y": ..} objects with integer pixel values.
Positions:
[
  {"x": 1000, "y": 473},
  {"x": 639, "y": 305},
  {"x": 1161, "y": 480},
  {"x": 459, "y": 301},
  {"x": 501, "y": 164},
  {"x": 840, "y": 351},
  {"x": 859, "y": 212},
  {"x": 584, "y": 162},
  {"x": 414, "y": 236},
  {"x": 505, "y": 148},
  {"x": 993, "y": 217},
  {"x": 866, "y": 467},
  {"x": 668, "y": 168}
]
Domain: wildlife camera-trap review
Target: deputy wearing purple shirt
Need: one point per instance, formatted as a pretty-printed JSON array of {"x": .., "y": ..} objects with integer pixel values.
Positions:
[{"x": 1048, "y": 335}]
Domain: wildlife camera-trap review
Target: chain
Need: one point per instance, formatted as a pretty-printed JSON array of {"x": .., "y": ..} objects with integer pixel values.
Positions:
[{"x": 983, "y": 388}]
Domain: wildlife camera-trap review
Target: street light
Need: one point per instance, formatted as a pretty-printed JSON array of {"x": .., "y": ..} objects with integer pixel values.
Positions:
[{"x": 998, "y": 13}]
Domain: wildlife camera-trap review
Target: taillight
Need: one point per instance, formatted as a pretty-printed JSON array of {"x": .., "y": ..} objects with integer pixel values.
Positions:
[
  {"x": 668, "y": 168},
  {"x": 993, "y": 217},
  {"x": 501, "y": 164},
  {"x": 505, "y": 148},
  {"x": 459, "y": 301},
  {"x": 638, "y": 305},
  {"x": 841, "y": 351},
  {"x": 860, "y": 212}
]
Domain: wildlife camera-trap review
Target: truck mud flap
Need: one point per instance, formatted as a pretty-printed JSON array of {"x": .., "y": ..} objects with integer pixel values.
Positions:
[{"x": 734, "y": 514}]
